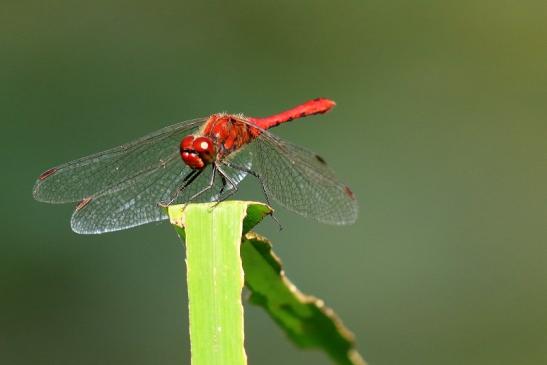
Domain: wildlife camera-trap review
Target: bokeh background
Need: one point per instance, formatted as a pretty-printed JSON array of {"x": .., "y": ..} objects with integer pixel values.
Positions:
[{"x": 440, "y": 130}]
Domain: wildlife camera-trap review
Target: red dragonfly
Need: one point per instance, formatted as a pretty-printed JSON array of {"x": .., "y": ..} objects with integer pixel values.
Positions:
[{"x": 198, "y": 160}]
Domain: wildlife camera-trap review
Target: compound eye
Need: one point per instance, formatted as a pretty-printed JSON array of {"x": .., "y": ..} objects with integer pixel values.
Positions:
[
  {"x": 186, "y": 143},
  {"x": 204, "y": 145}
]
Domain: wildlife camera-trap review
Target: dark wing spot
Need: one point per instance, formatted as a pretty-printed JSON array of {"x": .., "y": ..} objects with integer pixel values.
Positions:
[
  {"x": 349, "y": 193},
  {"x": 83, "y": 203},
  {"x": 321, "y": 159},
  {"x": 303, "y": 114},
  {"x": 47, "y": 173}
]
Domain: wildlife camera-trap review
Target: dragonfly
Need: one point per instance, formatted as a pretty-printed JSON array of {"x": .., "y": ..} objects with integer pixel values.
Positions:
[{"x": 198, "y": 160}]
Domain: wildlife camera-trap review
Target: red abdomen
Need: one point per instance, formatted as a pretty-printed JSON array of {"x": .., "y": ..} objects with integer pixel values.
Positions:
[{"x": 310, "y": 107}]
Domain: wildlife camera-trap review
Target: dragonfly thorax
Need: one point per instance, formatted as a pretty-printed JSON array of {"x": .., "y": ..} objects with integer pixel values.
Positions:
[{"x": 197, "y": 152}]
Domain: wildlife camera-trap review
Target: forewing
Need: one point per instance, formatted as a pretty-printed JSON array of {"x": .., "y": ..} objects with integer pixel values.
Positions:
[
  {"x": 139, "y": 203},
  {"x": 114, "y": 169},
  {"x": 135, "y": 204},
  {"x": 301, "y": 181}
]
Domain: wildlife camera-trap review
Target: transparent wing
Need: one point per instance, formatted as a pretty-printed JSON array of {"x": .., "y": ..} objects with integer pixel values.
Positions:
[
  {"x": 114, "y": 169},
  {"x": 138, "y": 203},
  {"x": 130, "y": 205},
  {"x": 301, "y": 181}
]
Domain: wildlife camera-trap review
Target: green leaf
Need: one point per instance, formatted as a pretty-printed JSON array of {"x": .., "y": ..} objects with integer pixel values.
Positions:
[
  {"x": 215, "y": 276},
  {"x": 219, "y": 249},
  {"x": 305, "y": 319}
]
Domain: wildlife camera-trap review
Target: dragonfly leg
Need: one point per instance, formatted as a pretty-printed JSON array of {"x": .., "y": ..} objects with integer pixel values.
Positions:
[
  {"x": 223, "y": 178},
  {"x": 188, "y": 179},
  {"x": 262, "y": 184},
  {"x": 205, "y": 189},
  {"x": 251, "y": 172},
  {"x": 230, "y": 191}
]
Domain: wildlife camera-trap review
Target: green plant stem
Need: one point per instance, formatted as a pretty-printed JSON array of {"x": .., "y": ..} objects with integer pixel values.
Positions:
[
  {"x": 215, "y": 280},
  {"x": 215, "y": 258}
]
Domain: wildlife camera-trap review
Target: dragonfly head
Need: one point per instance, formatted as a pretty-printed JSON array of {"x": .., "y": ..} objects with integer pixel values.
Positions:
[{"x": 197, "y": 152}]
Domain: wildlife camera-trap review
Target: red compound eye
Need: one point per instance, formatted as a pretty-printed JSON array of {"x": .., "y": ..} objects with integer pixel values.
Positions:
[
  {"x": 186, "y": 143},
  {"x": 197, "y": 152},
  {"x": 204, "y": 147},
  {"x": 189, "y": 155}
]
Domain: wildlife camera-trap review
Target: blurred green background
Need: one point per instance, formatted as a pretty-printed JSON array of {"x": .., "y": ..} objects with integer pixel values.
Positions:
[{"x": 440, "y": 130}]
